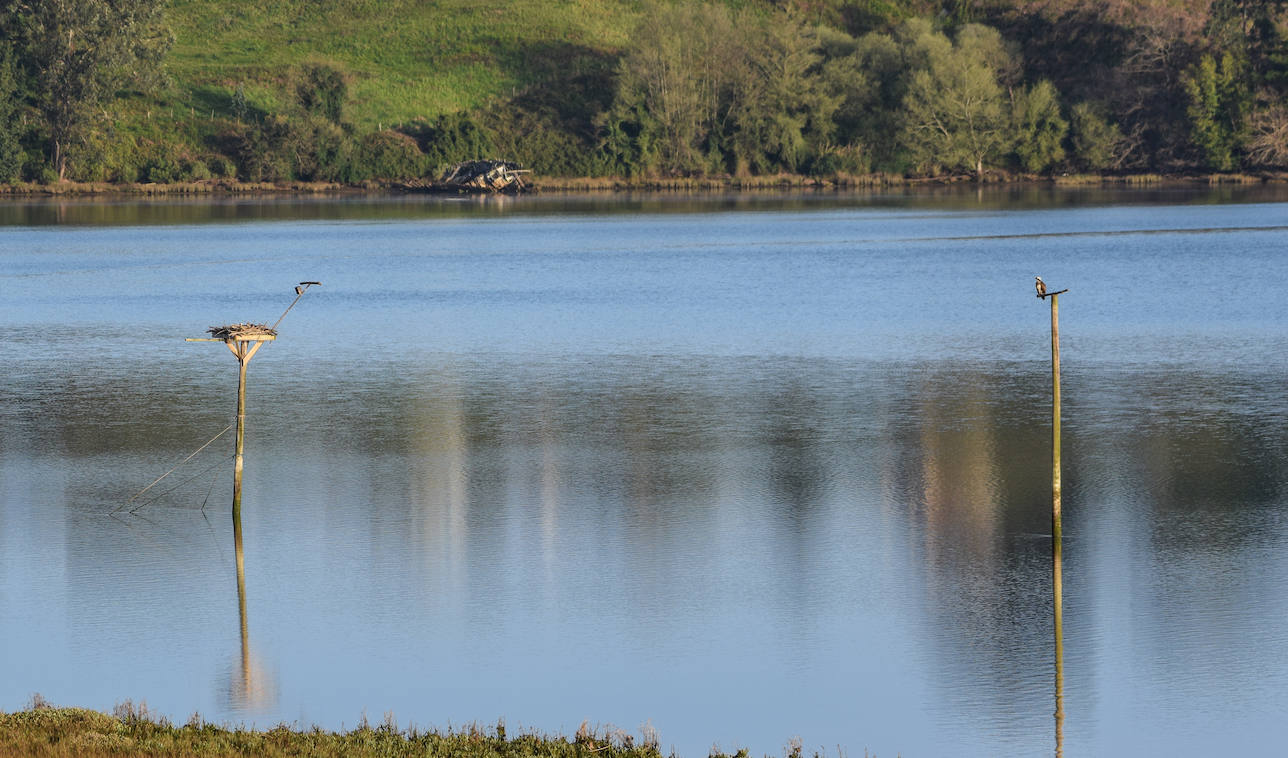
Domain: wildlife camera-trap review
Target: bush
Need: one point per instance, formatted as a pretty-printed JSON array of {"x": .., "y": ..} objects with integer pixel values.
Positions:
[
  {"x": 387, "y": 155},
  {"x": 195, "y": 170},
  {"x": 844, "y": 159},
  {"x": 260, "y": 150},
  {"x": 222, "y": 167},
  {"x": 450, "y": 139},
  {"x": 163, "y": 170},
  {"x": 40, "y": 172},
  {"x": 321, "y": 90},
  {"x": 127, "y": 173}
]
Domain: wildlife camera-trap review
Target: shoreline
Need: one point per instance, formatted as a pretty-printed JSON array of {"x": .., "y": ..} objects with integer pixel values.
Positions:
[{"x": 609, "y": 185}]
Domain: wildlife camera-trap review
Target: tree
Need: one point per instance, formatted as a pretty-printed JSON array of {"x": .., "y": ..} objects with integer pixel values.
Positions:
[
  {"x": 1097, "y": 144},
  {"x": 673, "y": 71},
  {"x": 780, "y": 110},
  {"x": 79, "y": 53},
  {"x": 1218, "y": 99},
  {"x": 1039, "y": 128},
  {"x": 955, "y": 110},
  {"x": 10, "y": 149},
  {"x": 1268, "y": 136}
]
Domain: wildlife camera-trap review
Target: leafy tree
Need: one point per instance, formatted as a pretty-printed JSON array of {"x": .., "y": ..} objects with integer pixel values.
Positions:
[
  {"x": 1218, "y": 99},
  {"x": 1039, "y": 128},
  {"x": 626, "y": 143},
  {"x": 1253, "y": 30},
  {"x": 10, "y": 149},
  {"x": 673, "y": 70},
  {"x": 79, "y": 53},
  {"x": 1097, "y": 144},
  {"x": 781, "y": 112},
  {"x": 955, "y": 110}
]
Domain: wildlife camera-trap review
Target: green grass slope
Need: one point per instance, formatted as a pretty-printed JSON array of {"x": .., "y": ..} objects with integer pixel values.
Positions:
[{"x": 405, "y": 59}]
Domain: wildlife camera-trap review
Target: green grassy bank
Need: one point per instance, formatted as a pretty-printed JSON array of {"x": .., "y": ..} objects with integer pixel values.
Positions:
[
  {"x": 405, "y": 59},
  {"x": 42, "y": 731}
]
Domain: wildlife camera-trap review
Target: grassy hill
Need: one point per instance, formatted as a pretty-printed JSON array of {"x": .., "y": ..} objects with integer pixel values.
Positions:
[{"x": 404, "y": 58}]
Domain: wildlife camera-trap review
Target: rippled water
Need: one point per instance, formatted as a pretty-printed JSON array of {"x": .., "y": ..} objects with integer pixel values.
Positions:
[{"x": 743, "y": 468}]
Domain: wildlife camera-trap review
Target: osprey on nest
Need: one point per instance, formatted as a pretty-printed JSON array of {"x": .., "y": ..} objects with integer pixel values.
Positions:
[{"x": 1041, "y": 286}]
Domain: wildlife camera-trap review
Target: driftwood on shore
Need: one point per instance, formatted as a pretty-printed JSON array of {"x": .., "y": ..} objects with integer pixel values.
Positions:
[
  {"x": 485, "y": 176},
  {"x": 481, "y": 176}
]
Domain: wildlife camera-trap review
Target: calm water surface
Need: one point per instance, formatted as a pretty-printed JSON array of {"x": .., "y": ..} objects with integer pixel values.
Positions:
[{"x": 740, "y": 469}]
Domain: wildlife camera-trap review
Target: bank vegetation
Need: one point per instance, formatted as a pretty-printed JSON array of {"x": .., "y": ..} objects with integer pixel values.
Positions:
[
  {"x": 43, "y": 731},
  {"x": 229, "y": 93}
]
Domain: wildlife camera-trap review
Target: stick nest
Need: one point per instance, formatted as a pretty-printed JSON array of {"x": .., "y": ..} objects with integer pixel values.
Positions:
[{"x": 240, "y": 330}]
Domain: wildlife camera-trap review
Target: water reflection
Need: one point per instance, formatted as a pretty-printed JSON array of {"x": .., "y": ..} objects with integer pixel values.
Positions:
[
  {"x": 755, "y": 481},
  {"x": 251, "y": 687},
  {"x": 1057, "y": 592},
  {"x": 367, "y": 207}
]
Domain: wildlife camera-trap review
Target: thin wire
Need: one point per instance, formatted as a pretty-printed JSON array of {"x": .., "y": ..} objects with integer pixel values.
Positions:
[
  {"x": 213, "y": 479},
  {"x": 298, "y": 295},
  {"x": 199, "y": 474},
  {"x": 288, "y": 310},
  {"x": 172, "y": 470}
]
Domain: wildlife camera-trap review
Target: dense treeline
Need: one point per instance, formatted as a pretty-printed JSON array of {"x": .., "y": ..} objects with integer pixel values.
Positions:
[{"x": 813, "y": 87}]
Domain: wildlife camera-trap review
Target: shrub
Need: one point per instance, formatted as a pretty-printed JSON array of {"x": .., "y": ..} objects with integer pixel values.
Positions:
[
  {"x": 163, "y": 170},
  {"x": 221, "y": 167},
  {"x": 195, "y": 170},
  {"x": 387, "y": 154},
  {"x": 450, "y": 139},
  {"x": 321, "y": 90}
]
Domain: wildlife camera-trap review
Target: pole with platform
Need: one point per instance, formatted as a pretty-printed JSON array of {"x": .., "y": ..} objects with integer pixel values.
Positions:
[
  {"x": 244, "y": 341},
  {"x": 1057, "y": 537}
]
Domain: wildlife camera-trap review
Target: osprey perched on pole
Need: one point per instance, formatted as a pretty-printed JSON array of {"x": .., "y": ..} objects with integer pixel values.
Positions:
[{"x": 1041, "y": 286}]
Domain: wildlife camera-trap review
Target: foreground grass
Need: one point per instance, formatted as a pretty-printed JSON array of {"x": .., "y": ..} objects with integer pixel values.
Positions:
[{"x": 46, "y": 732}]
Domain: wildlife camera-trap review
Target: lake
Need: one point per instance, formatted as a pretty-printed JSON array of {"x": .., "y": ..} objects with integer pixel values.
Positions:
[{"x": 740, "y": 469}]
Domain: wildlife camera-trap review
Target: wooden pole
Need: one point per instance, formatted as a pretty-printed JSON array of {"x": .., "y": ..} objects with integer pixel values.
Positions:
[
  {"x": 1055, "y": 423},
  {"x": 244, "y": 350},
  {"x": 242, "y": 360},
  {"x": 1057, "y": 536}
]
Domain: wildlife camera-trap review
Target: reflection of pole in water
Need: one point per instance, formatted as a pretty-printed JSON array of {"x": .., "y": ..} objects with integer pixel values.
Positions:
[
  {"x": 1058, "y": 596},
  {"x": 247, "y": 686},
  {"x": 1057, "y": 582}
]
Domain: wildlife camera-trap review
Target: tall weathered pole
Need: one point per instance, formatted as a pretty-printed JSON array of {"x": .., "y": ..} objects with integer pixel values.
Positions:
[
  {"x": 242, "y": 360},
  {"x": 244, "y": 345},
  {"x": 1055, "y": 422},
  {"x": 1057, "y": 580}
]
